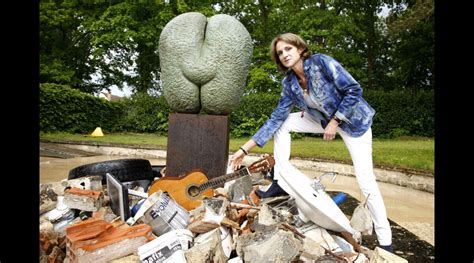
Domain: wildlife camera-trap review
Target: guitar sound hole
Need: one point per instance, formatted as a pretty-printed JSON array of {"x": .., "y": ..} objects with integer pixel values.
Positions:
[{"x": 193, "y": 191}]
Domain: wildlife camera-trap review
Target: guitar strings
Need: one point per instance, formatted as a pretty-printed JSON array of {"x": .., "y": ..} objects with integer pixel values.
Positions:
[{"x": 222, "y": 179}]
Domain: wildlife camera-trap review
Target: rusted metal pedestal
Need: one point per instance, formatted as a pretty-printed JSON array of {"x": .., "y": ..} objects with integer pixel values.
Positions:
[{"x": 197, "y": 142}]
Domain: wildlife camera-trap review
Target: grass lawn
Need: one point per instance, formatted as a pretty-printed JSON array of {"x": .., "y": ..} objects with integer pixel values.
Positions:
[{"x": 404, "y": 153}]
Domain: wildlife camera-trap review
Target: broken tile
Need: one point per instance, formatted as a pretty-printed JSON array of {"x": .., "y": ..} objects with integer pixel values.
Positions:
[
  {"x": 86, "y": 200},
  {"x": 96, "y": 240}
]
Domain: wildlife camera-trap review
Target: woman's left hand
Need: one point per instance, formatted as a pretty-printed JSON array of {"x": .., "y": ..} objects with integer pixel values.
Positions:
[{"x": 330, "y": 131}]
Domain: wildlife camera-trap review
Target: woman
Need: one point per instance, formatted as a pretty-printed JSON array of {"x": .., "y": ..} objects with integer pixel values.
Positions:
[{"x": 331, "y": 102}]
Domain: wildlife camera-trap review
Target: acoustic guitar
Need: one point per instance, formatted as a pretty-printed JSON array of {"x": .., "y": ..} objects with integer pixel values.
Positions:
[{"x": 190, "y": 189}]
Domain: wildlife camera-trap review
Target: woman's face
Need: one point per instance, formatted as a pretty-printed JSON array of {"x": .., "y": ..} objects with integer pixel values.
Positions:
[{"x": 288, "y": 54}]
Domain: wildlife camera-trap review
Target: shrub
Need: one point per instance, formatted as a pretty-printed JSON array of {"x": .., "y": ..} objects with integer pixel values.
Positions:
[
  {"x": 145, "y": 113},
  {"x": 63, "y": 109},
  {"x": 401, "y": 113}
]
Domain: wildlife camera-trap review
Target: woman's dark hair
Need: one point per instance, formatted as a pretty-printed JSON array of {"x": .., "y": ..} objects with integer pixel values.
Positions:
[{"x": 292, "y": 39}]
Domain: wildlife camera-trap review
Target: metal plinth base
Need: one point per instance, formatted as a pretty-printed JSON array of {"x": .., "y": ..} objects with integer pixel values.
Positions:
[{"x": 197, "y": 142}]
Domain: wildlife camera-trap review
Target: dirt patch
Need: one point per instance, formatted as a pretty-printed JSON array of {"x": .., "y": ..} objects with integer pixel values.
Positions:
[{"x": 405, "y": 243}]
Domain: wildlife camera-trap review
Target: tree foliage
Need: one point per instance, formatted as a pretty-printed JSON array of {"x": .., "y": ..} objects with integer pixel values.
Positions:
[
  {"x": 65, "y": 45},
  {"x": 412, "y": 29},
  {"x": 93, "y": 45}
]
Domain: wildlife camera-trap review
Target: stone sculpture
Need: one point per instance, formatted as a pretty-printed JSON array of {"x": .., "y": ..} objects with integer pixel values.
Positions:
[{"x": 204, "y": 63}]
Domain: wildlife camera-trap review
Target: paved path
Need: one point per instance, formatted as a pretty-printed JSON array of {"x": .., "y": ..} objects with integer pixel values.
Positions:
[{"x": 411, "y": 179}]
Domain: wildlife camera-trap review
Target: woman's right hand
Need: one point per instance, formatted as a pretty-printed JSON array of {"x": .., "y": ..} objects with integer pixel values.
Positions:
[{"x": 236, "y": 160}]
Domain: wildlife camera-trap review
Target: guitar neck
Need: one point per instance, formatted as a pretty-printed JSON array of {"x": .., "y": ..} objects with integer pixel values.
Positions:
[{"x": 215, "y": 182}]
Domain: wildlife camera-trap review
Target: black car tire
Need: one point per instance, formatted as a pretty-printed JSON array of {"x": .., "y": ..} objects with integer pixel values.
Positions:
[{"x": 123, "y": 169}]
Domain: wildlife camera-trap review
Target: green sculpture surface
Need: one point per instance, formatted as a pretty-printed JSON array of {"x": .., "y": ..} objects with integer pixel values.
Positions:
[{"x": 204, "y": 63}]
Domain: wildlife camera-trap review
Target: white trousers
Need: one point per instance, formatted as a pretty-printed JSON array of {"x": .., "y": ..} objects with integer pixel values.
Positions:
[{"x": 360, "y": 149}]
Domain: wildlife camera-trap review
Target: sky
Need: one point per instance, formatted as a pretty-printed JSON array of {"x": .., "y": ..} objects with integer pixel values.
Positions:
[
  {"x": 384, "y": 12},
  {"x": 125, "y": 93}
]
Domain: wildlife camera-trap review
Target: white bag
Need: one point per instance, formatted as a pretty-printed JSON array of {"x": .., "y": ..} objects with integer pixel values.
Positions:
[{"x": 361, "y": 219}]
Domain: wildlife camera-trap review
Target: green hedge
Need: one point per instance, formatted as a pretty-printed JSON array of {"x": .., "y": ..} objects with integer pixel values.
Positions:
[
  {"x": 252, "y": 112},
  {"x": 145, "y": 114},
  {"x": 402, "y": 113},
  {"x": 399, "y": 113},
  {"x": 62, "y": 109}
]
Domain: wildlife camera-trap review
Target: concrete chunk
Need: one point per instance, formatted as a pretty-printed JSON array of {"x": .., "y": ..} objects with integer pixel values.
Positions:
[
  {"x": 240, "y": 188},
  {"x": 51, "y": 190},
  {"x": 93, "y": 182},
  {"x": 207, "y": 247},
  {"x": 57, "y": 255},
  {"x": 275, "y": 246},
  {"x": 47, "y": 206},
  {"x": 208, "y": 216},
  {"x": 381, "y": 255},
  {"x": 48, "y": 238},
  {"x": 268, "y": 216},
  {"x": 133, "y": 258},
  {"x": 320, "y": 236}
]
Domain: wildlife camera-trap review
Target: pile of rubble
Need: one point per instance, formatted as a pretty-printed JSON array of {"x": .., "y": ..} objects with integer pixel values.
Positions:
[{"x": 79, "y": 224}]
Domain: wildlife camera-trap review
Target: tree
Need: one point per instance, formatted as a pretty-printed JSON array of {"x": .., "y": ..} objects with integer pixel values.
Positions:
[
  {"x": 126, "y": 44},
  {"x": 65, "y": 44},
  {"x": 411, "y": 27},
  {"x": 92, "y": 45}
]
